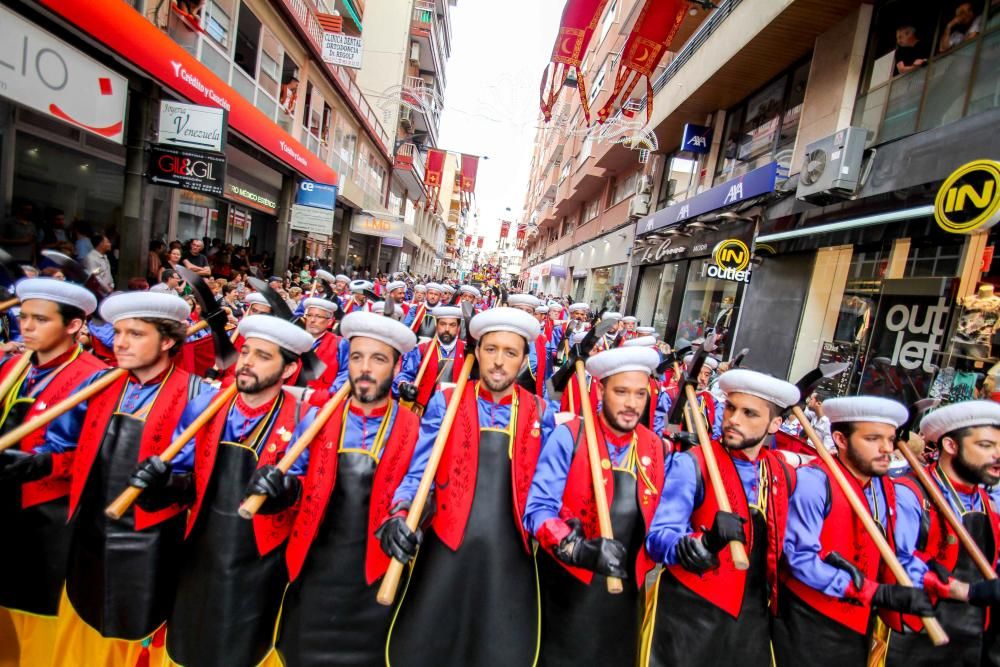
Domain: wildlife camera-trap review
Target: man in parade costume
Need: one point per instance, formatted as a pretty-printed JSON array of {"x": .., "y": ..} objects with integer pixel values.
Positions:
[
  {"x": 419, "y": 295},
  {"x": 831, "y": 573},
  {"x": 256, "y": 304},
  {"x": 232, "y": 576},
  {"x": 330, "y": 615},
  {"x": 707, "y": 612},
  {"x": 122, "y": 574},
  {"x": 607, "y": 341},
  {"x": 35, "y": 485},
  {"x": 329, "y": 347},
  {"x": 538, "y": 370},
  {"x": 340, "y": 288},
  {"x": 968, "y": 439},
  {"x": 396, "y": 292},
  {"x": 581, "y": 622},
  {"x": 447, "y": 352},
  {"x": 472, "y": 595},
  {"x": 358, "y": 300},
  {"x": 471, "y": 294},
  {"x": 711, "y": 408},
  {"x": 629, "y": 323},
  {"x": 425, "y": 327},
  {"x": 650, "y": 415}
]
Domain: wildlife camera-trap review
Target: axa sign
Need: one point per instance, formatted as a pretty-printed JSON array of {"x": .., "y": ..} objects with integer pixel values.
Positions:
[
  {"x": 42, "y": 72},
  {"x": 969, "y": 199},
  {"x": 697, "y": 138}
]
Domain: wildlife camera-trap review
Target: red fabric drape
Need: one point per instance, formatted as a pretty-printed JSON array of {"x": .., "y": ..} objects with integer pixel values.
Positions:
[
  {"x": 579, "y": 20},
  {"x": 433, "y": 174},
  {"x": 470, "y": 166}
]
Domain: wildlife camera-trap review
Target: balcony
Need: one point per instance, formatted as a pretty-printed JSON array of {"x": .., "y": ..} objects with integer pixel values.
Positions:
[
  {"x": 410, "y": 167},
  {"x": 426, "y": 31},
  {"x": 421, "y": 94}
]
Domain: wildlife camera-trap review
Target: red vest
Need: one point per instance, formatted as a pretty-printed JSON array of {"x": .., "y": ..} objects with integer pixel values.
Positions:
[
  {"x": 429, "y": 382},
  {"x": 579, "y": 501},
  {"x": 317, "y": 488},
  {"x": 55, "y": 484},
  {"x": 156, "y": 436},
  {"x": 269, "y": 530},
  {"x": 724, "y": 585},
  {"x": 843, "y": 532},
  {"x": 456, "y": 474},
  {"x": 418, "y": 318},
  {"x": 570, "y": 401},
  {"x": 654, "y": 398},
  {"x": 328, "y": 352}
]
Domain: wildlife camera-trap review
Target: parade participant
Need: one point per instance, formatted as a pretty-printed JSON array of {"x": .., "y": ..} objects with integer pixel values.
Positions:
[
  {"x": 447, "y": 352},
  {"x": 629, "y": 323},
  {"x": 447, "y": 293},
  {"x": 651, "y": 417},
  {"x": 581, "y": 622},
  {"x": 256, "y": 304},
  {"x": 578, "y": 312},
  {"x": 330, "y": 615},
  {"x": 231, "y": 576},
  {"x": 710, "y": 406},
  {"x": 122, "y": 574},
  {"x": 420, "y": 318},
  {"x": 358, "y": 300},
  {"x": 341, "y": 289},
  {"x": 968, "y": 439},
  {"x": 34, "y": 484},
  {"x": 329, "y": 347},
  {"x": 419, "y": 295},
  {"x": 646, "y": 331},
  {"x": 830, "y": 576},
  {"x": 396, "y": 291},
  {"x": 472, "y": 597},
  {"x": 538, "y": 370},
  {"x": 471, "y": 294},
  {"x": 700, "y": 586},
  {"x": 610, "y": 338}
]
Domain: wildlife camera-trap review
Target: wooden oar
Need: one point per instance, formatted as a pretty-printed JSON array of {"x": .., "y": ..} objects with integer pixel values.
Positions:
[
  {"x": 596, "y": 476},
  {"x": 121, "y": 504},
  {"x": 250, "y": 506},
  {"x": 20, "y": 366},
  {"x": 935, "y": 632},
  {"x": 944, "y": 507},
  {"x": 387, "y": 590}
]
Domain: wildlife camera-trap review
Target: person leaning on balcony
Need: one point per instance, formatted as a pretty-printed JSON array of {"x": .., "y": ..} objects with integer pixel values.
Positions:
[
  {"x": 963, "y": 26},
  {"x": 911, "y": 52}
]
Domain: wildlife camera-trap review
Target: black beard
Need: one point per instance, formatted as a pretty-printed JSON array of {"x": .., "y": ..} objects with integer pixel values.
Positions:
[
  {"x": 380, "y": 392},
  {"x": 613, "y": 421},
  {"x": 970, "y": 474},
  {"x": 257, "y": 384},
  {"x": 446, "y": 338},
  {"x": 746, "y": 443},
  {"x": 859, "y": 464}
]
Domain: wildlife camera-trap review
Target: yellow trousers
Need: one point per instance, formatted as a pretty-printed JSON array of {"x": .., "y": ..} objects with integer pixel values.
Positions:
[
  {"x": 26, "y": 640},
  {"x": 76, "y": 643}
]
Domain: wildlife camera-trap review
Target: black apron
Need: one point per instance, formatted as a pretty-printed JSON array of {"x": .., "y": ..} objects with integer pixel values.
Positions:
[
  {"x": 120, "y": 581},
  {"x": 228, "y": 596},
  {"x": 690, "y": 630},
  {"x": 427, "y": 328},
  {"x": 330, "y": 615},
  {"x": 36, "y": 547},
  {"x": 804, "y": 636},
  {"x": 963, "y": 622},
  {"x": 584, "y": 624},
  {"x": 478, "y": 605}
]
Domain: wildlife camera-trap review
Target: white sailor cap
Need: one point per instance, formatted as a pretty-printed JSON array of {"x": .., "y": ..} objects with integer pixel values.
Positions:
[
  {"x": 419, "y": 288},
  {"x": 710, "y": 361},
  {"x": 612, "y": 316},
  {"x": 629, "y": 319},
  {"x": 504, "y": 319},
  {"x": 341, "y": 278},
  {"x": 273, "y": 329},
  {"x": 325, "y": 276},
  {"x": 257, "y": 298},
  {"x": 579, "y": 306},
  {"x": 434, "y": 286},
  {"x": 383, "y": 329},
  {"x": 622, "y": 360},
  {"x": 771, "y": 389},
  {"x": 542, "y": 310},
  {"x": 379, "y": 308},
  {"x": 641, "y": 341},
  {"x": 361, "y": 285},
  {"x": 395, "y": 285},
  {"x": 951, "y": 418},
  {"x": 523, "y": 300},
  {"x": 59, "y": 291},
  {"x": 447, "y": 289},
  {"x": 160, "y": 305},
  {"x": 445, "y": 312},
  {"x": 646, "y": 331},
  {"x": 322, "y": 304},
  {"x": 865, "y": 409},
  {"x": 471, "y": 290}
]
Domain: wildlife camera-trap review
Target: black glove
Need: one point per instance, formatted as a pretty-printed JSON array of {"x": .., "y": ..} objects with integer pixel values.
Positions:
[
  {"x": 836, "y": 560},
  {"x": 693, "y": 556},
  {"x": 565, "y": 373},
  {"x": 906, "y": 599},
  {"x": 281, "y": 490},
  {"x": 597, "y": 554},
  {"x": 685, "y": 440},
  {"x": 397, "y": 539},
  {"x": 985, "y": 593},
  {"x": 151, "y": 474},
  {"x": 726, "y": 527},
  {"x": 18, "y": 466},
  {"x": 407, "y": 391},
  {"x": 178, "y": 490}
]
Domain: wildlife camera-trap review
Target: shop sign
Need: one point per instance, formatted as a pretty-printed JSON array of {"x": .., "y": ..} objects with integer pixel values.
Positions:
[
  {"x": 731, "y": 257},
  {"x": 44, "y": 73},
  {"x": 580, "y": 273},
  {"x": 696, "y": 139},
  {"x": 317, "y": 195},
  {"x": 341, "y": 49},
  {"x": 969, "y": 199},
  {"x": 312, "y": 220},
  {"x": 188, "y": 169},
  {"x": 752, "y": 184},
  {"x": 385, "y": 226},
  {"x": 246, "y": 194},
  {"x": 192, "y": 126},
  {"x": 558, "y": 272}
]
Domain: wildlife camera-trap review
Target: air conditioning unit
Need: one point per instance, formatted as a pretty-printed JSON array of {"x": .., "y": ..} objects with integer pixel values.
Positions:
[
  {"x": 639, "y": 206},
  {"x": 406, "y": 117},
  {"x": 644, "y": 185},
  {"x": 831, "y": 171},
  {"x": 415, "y": 52}
]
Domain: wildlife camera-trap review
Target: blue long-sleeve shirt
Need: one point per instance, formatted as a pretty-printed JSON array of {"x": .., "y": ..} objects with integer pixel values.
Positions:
[
  {"x": 410, "y": 366},
  {"x": 672, "y": 519},
  {"x": 491, "y": 415},
  {"x": 664, "y": 403},
  {"x": 241, "y": 422},
  {"x": 104, "y": 332},
  {"x": 806, "y": 514}
]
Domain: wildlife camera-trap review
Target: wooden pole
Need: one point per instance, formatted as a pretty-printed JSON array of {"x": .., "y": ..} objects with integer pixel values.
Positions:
[
  {"x": 121, "y": 504},
  {"x": 737, "y": 549},
  {"x": 20, "y": 366},
  {"x": 418, "y": 319},
  {"x": 387, "y": 590},
  {"x": 9, "y": 303},
  {"x": 949, "y": 514},
  {"x": 250, "y": 506},
  {"x": 420, "y": 373},
  {"x": 596, "y": 475},
  {"x": 934, "y": 630}
]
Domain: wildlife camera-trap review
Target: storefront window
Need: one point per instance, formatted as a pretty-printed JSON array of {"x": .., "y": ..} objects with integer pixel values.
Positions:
[
  {"x": 678, "y": 177},
  {"x": 608, "y": 281},
  {"x": 656, "y": 290},
  {"x": 709, "y": 304}
]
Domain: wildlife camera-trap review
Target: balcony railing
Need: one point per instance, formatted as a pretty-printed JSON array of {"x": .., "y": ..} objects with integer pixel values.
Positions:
[{"x": 408, "y": 157}]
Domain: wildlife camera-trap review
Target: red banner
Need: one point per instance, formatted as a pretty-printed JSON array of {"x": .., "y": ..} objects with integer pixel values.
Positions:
[
  {"x": 653, "y": 32},
  {"x": 479, "y": 244},
  {"x": 522, "y": 232},
  {"x": 504, "y": 228},
  {"x": 470, "y": 165},
  {"x": 433, "y": 174},
  {"x": 579, "y": 20},
  {"x": 468, "y": 240}
]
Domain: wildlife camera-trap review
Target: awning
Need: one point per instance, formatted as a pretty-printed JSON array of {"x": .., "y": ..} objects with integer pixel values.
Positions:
[
  {"x": 852, "y": 223},
  {"x": 353, "y": 13}
]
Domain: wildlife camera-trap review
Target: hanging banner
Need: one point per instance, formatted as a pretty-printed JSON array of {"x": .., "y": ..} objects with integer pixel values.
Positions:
[
  {"x": 522, "y": 232},
  {"x": 504, "y": 228},
  {"x": 653, "y": 32},
  {"x": 467, "y": 184},
  {"x": 468, "y": 240},
  {"x": 479, "y": 244},
  {"x": 579, "y": 20},
  {"x": 433, "y": 174}
]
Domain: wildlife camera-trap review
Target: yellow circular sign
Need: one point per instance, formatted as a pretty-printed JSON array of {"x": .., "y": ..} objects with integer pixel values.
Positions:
[
  {"x": 731, "y": 254},
  {"x": 969, "y": 199}
]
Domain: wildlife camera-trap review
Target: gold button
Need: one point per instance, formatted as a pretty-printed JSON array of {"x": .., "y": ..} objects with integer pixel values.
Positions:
[
  {"x": 272, "y": 447},
  {"x": 606, "y": 464}
]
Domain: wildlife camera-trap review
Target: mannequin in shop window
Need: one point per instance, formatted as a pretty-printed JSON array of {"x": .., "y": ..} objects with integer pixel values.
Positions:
[
  {"x": 855, "y": 316},
  {"x": 978, "y": 324}
]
